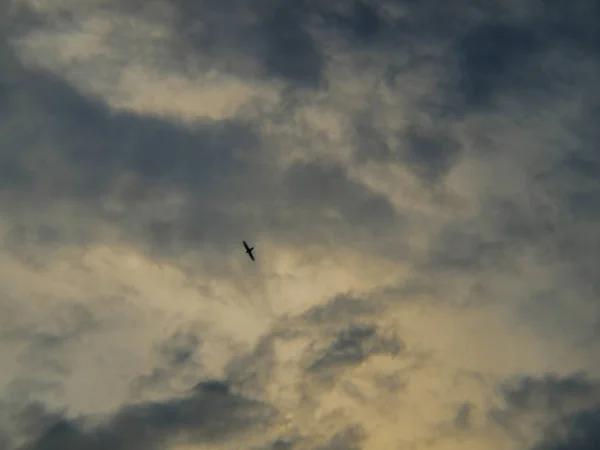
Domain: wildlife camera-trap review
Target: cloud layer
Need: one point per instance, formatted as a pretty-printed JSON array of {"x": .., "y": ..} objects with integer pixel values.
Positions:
[{"x": 419, "y": 180}]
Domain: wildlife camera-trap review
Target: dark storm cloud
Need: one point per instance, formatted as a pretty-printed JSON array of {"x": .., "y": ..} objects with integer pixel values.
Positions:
[
  {"x": 77, "y": 149},
  {"x": 100, "y": 145},
  {"x": 583, "y": 433},
  {"x": 575, "y": 21},
  {"x": 207, "y": 415},
  {"x": 276, "y": 33},
  {"x": 359, "y": 22},
  {"x": 30, "y": 420},
  {"x": 570, "y": 405},
  {"x": 279, "y": 34},
  {"x": 492, "y": 55},
  {"x": 291, "y": 51},
  {"x": 492, "y": 52},
  {"x": 550, "y": 392},
  {"x": 498, "y": 47}
]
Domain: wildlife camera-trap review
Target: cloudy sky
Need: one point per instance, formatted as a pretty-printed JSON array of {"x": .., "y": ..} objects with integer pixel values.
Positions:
[{"x": 421, "y": 182}]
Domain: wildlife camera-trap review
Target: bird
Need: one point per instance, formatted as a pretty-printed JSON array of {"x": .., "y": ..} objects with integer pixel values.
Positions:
[{"x": 249, "y": 251}]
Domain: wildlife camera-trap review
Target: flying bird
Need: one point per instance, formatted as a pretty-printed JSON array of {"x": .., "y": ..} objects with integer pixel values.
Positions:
[{"x": 249, "y": 251}]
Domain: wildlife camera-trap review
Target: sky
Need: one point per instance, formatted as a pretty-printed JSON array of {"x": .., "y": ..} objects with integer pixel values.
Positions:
[{"x": 420, "y": 181}]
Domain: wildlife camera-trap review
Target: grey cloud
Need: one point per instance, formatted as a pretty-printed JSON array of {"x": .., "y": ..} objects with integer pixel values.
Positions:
[
  {"x": 281, "y": 35},
  {"x": 280, "y": 445},
  {"x": 462, "y": 418},
  {"x": 341, "y": 309},
  {"x": 5, "y": 441},
  {"x": 583, "y": 433},
  {"x": 32, "y": 387},
  {"x": 430, "y": 153},
  {"x": 207, "y": 160},
  {"x": 351, "y": 346},
  {"x": 338, "y": 337},
  {"x": 566, "y": 409},
  {"x": 341, "y": 337},
  {"x": 33, "y": 418},
  {"x": 291, "y": 51},
  {"x": 65, "y": 323},
  {"x": 457, "y": 249},
  {"x": 552, "y": 217},
  {"x": 575, "y": 21},
  {"x": 370, "y": 144},
  {"x": 47, "y": 342},
  {"x": 97, "y": 147},
  {"x": 276, "y": 33},
  {"x": 217, "y": 410},
  {"x": 218, "y": 167},
  {"x": 430, "y": 156},
  {"x": 252, "y": 372},
  {"x": 320, "y": 187},
  {"x": 206, "y": 415},
  {"x": 347, "y": 348},
  {"x": 347, "y": 439},
  {"x": 177, "y": 359},
  {"x": 363, "y": 20},
  {"x": 493, "y": 54},
  {"x": 500, "y": 50},
  {"x": 573, "y": 401},
  {"x": 180, "y": 347},
  {"x": 215, "y": 165},
  {"x": 551, "y": 392},
  {"x": 214, "y": 387}
]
